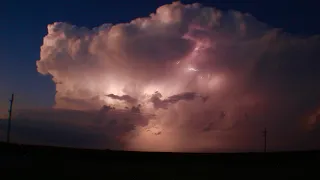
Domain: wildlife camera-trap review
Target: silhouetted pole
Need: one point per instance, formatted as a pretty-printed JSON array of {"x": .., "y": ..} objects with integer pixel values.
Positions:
[
  {"x": 265, "y": 139},
  {"x": 9, "y": 118}
]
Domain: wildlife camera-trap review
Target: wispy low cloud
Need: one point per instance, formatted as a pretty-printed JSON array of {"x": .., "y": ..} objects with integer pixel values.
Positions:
[{"x": 126, "y": 98}]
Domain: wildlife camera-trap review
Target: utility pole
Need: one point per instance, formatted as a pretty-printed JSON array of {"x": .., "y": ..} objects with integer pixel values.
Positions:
[
  {"x": 9, "y": 118},
  {"x": 265, "y": 139}
]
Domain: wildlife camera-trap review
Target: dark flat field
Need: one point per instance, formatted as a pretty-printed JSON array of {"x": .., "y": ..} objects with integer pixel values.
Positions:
[{"x": 106, "y": 163}]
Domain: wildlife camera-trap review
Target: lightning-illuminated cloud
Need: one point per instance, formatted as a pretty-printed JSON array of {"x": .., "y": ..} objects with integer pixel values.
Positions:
[{"x": 254, "y": 74}]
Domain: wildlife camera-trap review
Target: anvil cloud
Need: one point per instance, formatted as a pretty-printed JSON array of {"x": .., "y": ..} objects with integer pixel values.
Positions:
[{"x": 203, "y": 78}]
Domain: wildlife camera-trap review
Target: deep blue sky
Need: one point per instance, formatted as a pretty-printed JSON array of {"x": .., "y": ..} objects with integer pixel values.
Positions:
[{"x": 23, "y": 25}]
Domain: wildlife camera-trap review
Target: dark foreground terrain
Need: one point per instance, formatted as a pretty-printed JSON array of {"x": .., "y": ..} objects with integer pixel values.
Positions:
[{"x": 56, "y": 161}]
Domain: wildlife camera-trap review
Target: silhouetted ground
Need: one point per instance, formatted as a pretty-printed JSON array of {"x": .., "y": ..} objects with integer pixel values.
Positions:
[{"x": 117, "y": 164}]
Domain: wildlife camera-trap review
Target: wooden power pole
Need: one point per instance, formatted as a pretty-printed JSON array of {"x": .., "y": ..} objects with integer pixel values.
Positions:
[
  {"x": 265, "y": 139},
  {"x": 9, "y": 118}
]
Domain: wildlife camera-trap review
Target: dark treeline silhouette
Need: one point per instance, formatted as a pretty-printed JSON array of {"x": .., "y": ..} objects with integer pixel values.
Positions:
[{"x": 103, "y": 163}]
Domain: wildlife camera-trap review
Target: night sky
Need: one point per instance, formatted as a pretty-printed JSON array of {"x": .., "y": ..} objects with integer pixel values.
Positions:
[
  {"x": 224, "y": 78},
  {"x": 24, "y": 24}
]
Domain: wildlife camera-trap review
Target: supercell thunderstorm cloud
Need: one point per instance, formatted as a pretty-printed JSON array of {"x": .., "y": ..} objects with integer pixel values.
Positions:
[{"x": 188, "y": 78}]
